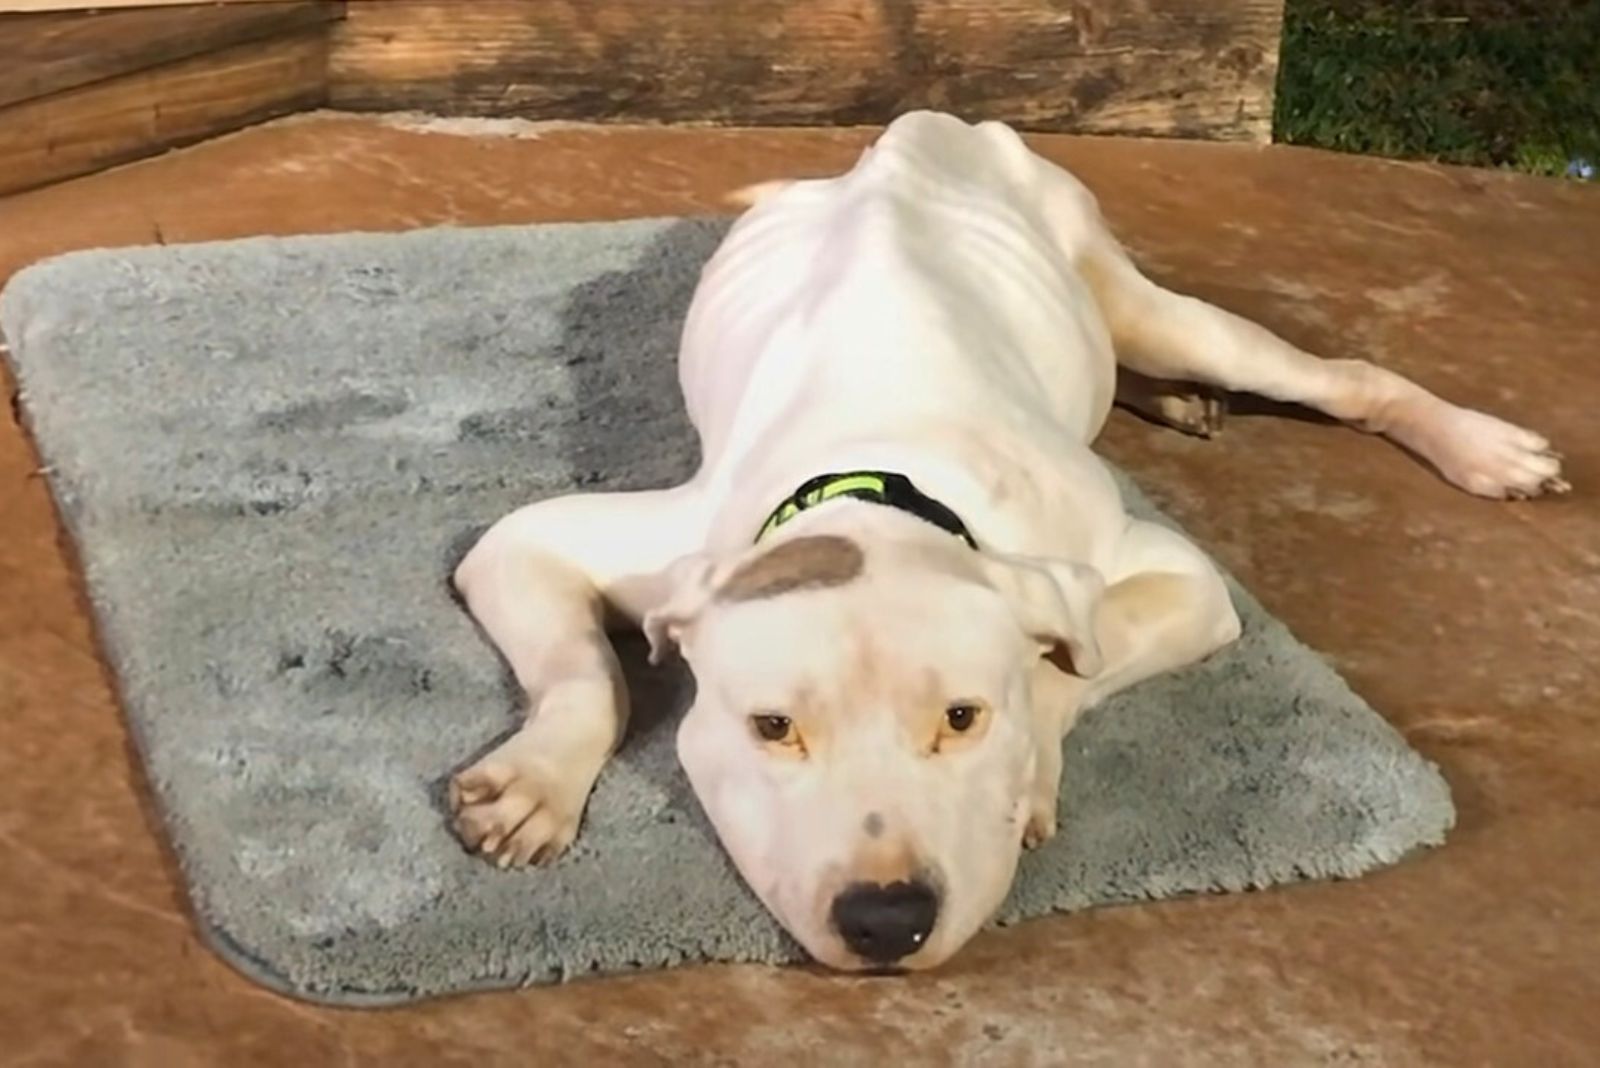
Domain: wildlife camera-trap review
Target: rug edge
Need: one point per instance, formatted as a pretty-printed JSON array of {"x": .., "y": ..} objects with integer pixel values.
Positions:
[
  {"x": 216, "y": 934},
  {"x": 27, "y": 276}
]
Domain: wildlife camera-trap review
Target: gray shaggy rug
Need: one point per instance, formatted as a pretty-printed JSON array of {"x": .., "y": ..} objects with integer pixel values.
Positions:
[{"x": 270, "y": 453}]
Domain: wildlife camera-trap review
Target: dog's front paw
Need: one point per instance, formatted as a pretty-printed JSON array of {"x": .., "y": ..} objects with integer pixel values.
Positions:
[
  {"x": 1041, "y": 826},
  {"x": 515, "y": 805}
]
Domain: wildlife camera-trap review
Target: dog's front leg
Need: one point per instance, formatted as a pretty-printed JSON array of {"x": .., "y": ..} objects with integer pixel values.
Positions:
[
  {"x": 1058, "y": 698},
  {"x": 1167, "y": 607},
  {"x": 539, "y": 582}
]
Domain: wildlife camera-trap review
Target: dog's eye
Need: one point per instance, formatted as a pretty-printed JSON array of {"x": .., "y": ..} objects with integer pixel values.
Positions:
[
  {"x": 772, "y": 728},
  {"x": 965, "y": 723},
  {"x": 962, "y": 716}
]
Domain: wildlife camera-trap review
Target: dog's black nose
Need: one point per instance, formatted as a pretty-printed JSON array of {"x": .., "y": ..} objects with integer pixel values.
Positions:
[{"x": 884, "y": 923}]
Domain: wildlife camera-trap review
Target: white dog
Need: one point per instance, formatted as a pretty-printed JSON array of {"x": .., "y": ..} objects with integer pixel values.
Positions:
[{"x": 900, "y": 573}]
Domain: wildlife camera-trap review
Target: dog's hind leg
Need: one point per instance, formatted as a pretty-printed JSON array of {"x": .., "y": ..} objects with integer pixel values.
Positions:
[{"x": 1165, "y": 335}]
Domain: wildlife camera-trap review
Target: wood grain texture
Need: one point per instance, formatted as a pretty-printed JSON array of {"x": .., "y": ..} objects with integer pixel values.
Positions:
[
  {"x": 48, "y": 53},
  {"x": 123, "y": 119},
  {"x": 80, "y": 5},
  {"x": 1193, "y": 68}
]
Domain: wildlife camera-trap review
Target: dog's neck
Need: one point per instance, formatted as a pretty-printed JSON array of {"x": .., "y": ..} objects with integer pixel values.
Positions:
[{"x": 884, "y": 488}]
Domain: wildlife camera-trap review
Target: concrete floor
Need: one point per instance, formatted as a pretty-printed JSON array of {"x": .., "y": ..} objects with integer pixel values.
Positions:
[{"x": 1472, "y": 626}]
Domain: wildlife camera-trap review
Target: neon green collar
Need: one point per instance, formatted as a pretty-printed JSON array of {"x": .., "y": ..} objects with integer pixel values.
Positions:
[{"x": 877, "y": 487}]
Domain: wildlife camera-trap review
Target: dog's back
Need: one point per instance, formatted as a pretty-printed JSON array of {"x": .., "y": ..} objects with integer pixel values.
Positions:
[{"x": 929, "y": 280}]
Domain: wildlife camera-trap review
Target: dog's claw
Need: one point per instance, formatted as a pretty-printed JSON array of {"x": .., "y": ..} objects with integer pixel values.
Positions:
[{"x": 1213, "y": 414}]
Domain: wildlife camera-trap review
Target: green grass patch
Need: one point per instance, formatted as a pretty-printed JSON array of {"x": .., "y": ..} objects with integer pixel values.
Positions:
[{"x": 1489, "y": 83}]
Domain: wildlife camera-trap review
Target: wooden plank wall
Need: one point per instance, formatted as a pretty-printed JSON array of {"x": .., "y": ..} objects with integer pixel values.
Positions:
[
  {"x": 32, "y": 6},
  {"x": 49, "y": 53},
  {"x": 1190, "y": 68},
  {"x": 83, "y": 91}
]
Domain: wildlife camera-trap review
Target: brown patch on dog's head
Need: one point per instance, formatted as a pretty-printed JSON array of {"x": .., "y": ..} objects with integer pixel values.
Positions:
[{"x": 807, "y": 563}]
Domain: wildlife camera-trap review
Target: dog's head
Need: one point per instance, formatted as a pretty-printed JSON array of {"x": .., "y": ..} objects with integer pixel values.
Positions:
[{"x": 862, "y": 738}]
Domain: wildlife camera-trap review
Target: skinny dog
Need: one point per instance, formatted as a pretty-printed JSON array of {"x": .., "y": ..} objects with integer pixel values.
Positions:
[{"x": 900, "y": 573}]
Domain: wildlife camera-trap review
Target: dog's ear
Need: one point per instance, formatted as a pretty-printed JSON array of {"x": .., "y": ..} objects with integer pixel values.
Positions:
[
  {"x": 1055, "y": 602},
  {"x": 682, "y": 592}
]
